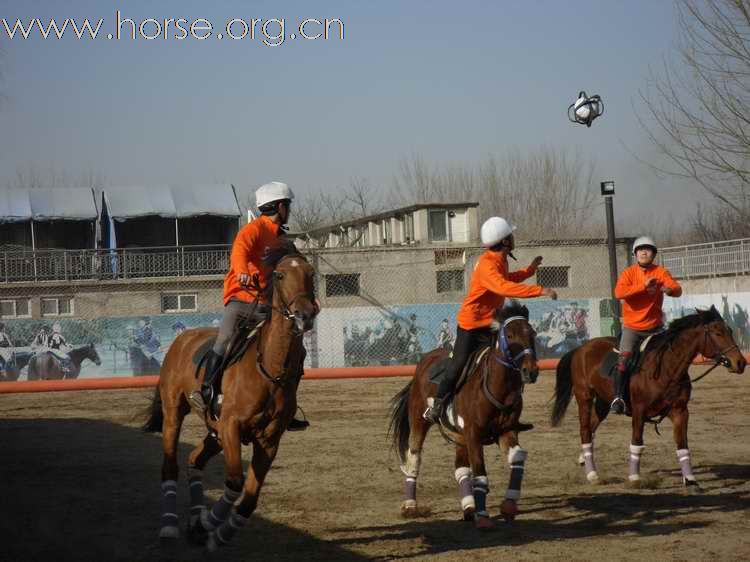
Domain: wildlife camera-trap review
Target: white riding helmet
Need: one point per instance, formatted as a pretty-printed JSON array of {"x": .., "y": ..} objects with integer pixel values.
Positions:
[
  {"x": 272, "y": 192},
  {"x": 495, "y": 230},
  {"x": 56, "y": 328},
  {"x": 644, "y": 241}
]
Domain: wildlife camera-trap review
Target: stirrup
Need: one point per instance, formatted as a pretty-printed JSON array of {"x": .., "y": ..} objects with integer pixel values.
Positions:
[
  {"x": 617, "y": 406},
  {"x": 431, "y": 414}
]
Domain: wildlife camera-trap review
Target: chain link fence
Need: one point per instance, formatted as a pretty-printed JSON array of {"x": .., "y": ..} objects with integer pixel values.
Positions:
[{"x": 380, "y": 306}]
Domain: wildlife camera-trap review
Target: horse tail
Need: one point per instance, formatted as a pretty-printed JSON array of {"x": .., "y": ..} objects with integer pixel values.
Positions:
[
  {"x": 155, "y": 421},
  {"x": 563, "y": 387},
  {"x": 398, "y": 428}
]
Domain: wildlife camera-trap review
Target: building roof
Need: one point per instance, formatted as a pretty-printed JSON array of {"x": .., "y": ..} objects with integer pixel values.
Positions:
[
  {"x": 61, "y": 203},
  {"x": 171, "y": 201},
  {"x": 392, "y": 213}
]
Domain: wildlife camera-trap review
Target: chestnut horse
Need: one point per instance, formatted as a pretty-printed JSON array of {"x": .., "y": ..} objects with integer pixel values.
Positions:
[
  {"x": 260, "y": 399},
  {"x": 661, "y": 387},
  {"x": 485, "y": 410}
]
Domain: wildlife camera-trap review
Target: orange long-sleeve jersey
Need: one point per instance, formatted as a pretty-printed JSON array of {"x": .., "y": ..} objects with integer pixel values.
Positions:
[
  {"x": 490, "y": 284},
  {"x": 247, "y": 257},
  {"x": 641, "y": 310}
]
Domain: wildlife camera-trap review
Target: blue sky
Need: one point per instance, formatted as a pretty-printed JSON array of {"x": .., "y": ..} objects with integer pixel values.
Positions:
[{"x": 453, "y": 82}]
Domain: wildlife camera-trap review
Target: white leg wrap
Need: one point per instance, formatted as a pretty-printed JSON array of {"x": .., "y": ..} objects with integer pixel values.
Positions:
[
  {"x": 465, "y": 481},
  {"x": 463, "y": 472},
  {"x": 517, "y": 455},
  {"x": 635, "y": 462},
  {"x": 683, "y": 457}
]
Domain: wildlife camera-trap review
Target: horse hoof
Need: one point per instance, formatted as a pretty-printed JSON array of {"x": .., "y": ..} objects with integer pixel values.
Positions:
[
  {"x": 169, "y": 532},
  {"x": 469, "y": 514},
  {"x": 509, "y": 510},
  {"x": 580, "y": 460},
  {"x": 409, "y": 509},
  {"x": 483, "y": 523},
  {"x": 692, "y": 487},
  {"x": 592, "y": 477}
]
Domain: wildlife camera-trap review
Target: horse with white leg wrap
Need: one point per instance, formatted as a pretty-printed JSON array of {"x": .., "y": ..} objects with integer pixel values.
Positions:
[
  {"x": 486, "y": 409},
  {"x": 660, "y": 388}
]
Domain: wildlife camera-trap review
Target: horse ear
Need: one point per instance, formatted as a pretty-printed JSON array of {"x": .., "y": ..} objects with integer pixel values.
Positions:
[{"x": 525, "y": 312}]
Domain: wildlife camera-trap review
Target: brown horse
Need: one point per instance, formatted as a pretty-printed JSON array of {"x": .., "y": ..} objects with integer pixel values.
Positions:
[
  {"x": 46, "y": 366},
  {"x": 485, "y": 410},
  {"x": 260, "y": 399},
  {"x": 661, "y": 387}
]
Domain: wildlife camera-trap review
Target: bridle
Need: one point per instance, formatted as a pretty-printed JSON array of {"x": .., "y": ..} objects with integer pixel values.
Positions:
[
  {"x": 506, "y": 357},
  {"x": 720, "y": 357}
]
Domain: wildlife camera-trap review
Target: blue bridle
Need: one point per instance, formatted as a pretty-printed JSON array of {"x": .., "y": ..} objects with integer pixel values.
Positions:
[{"x": 506, "y": 358}]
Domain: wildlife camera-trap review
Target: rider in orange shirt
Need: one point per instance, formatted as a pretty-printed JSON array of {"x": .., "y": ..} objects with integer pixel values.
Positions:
[
  {"x": 491, "y": 283},
  {"x": 242, "y": 302},
  {"x": 641, "y": 287}
]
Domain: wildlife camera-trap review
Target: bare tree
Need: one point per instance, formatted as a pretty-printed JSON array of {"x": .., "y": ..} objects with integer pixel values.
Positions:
[
  {"x": 547, "y": 190},
  {"x": 698, "y": 112},
  {"x": 316, "y": 209}
]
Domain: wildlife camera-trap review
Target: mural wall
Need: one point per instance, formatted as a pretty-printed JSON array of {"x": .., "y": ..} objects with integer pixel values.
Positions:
[{"x": 343, "y": 337}]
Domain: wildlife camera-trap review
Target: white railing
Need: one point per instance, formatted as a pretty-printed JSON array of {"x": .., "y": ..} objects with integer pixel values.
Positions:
[
  {"x": 729, "y": 257},
  {"x": 120, "y": 263}
]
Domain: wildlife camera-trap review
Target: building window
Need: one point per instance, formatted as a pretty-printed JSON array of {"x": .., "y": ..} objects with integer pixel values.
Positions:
[
  {"x": 554, "y": 276},
  {"x": 450, "y": 280},
  {"x": 179, "y": 303},
  {"x": 57, "y": 306},
  {"x": 342, "y": 284},
  {"x": 438, "y": 226},
  {"x": 449, "y": 256},
  {"x": 15, "y": 308}
]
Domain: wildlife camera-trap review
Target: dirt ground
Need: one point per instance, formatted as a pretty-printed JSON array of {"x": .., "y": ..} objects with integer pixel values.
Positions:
[{"x": 81, "y": 482}]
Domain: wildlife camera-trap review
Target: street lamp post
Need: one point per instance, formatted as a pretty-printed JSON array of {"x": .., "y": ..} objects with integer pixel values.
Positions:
[{"x": 608, "y": 191}]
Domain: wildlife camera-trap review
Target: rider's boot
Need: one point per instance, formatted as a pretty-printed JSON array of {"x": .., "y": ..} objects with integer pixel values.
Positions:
[
  {"x": 298, "y": 424},
  {"x": 620, "y": 375},
  {"x": 202, "y": 398}
]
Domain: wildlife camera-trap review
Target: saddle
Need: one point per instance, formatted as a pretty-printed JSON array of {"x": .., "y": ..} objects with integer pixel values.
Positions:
[
  {"x": 438, "y": 370},
  {"x": 633, "y": 366},
  {"x": 243, "y": 337}
]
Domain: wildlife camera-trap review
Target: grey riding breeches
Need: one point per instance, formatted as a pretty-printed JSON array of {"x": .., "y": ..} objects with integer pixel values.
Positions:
[{"x": 235, "y": 312}]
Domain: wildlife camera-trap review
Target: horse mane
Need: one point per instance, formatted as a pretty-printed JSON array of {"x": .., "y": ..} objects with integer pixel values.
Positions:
[
  {"x": 513, "y": 308},
  {"x": 663, "y": 341},
  {"x": 274, "y": 254}
]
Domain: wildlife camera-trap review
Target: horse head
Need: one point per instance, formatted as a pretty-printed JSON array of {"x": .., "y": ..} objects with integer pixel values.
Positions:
[
  {"x": 718, "y": 342},
  {"x": 89, "y": 352},
  {"x": 293, "y": 287},
  {"x": 516, "y": 341}
]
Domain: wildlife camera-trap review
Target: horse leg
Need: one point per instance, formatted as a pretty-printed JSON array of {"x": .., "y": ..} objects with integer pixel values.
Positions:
[
  {"x": 588, "y": 425},
  {"x": 516, "y": 460},
  {"x": 636, "y": 446},
  {"x": 263, "y": 455},
  {"x": 197, "y": 461},
  {"x": 413, "y": 461},
  {"x": 172, "y": 424},
  {"x": 464, "y": 480},
  {"x": 679, "y": 416},
  {"x": 229, "y": 434},
  {"x": 481, "y": 482},
  {"x": 586, "y": 458}
]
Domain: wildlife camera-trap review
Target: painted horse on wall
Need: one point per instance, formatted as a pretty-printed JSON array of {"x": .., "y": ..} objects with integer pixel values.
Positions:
[{"x": 46, "y": 366}]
